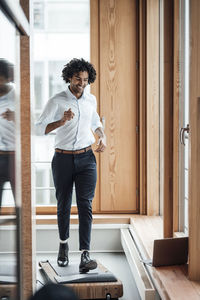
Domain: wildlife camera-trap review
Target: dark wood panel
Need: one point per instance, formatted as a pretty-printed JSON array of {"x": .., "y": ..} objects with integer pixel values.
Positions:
[
  {"x": 168, "y": 119},
  {"x": 194, "y": 143}
]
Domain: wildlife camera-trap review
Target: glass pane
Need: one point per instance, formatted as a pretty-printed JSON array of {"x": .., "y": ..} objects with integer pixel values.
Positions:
[
  {"x": 38, "y": 14},
  {"x": 61, "y": 17},
  {"x": 43, "y": 148},
  {"x": 186, "y": 216},
  {"x": 186, "y": 154},
  {"x": 9, "y": 101},
  {"x": 186, "y": 184},
  {"x": 55, "y": 84},
  {"x": 184, "y": 114},
  {"x": 8, "y": 98},
  {"x": 46, "y": 197},
  {"x": 38, "y": 84},
  {"x": 61, "y": 32},
  {"x": 7, "y": 197}
]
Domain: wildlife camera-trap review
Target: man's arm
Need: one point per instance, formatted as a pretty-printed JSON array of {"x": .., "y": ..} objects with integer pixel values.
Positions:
[
  {"x": 102, "y": 140},
  {"x": 68, "y": 115},
  {"x": 51, "y": 126}
]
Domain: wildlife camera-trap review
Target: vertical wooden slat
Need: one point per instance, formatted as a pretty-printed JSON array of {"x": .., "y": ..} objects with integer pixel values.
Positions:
[
  {"x": 118, "y": 92},
  {"x": 194, "y": 143},
  {"x": 152, "y": 107},
  {"x": 27, "y": 255},
  {"x": 176, "y": 83},
  {"x": 168, "y": 119},
  {"x": 94, "y": 59},
  {"x": 142, "y": 107}
]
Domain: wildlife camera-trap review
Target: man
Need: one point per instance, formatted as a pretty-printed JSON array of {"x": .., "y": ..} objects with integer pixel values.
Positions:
[
  {"x": 73, "y": 114},
  {"x": 7, "y": 126}
]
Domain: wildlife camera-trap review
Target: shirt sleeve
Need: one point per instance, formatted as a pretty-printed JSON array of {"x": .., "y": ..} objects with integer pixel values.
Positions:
[
  {"x": 96, "y": 123},
  {"x": 47, "y": 117}
]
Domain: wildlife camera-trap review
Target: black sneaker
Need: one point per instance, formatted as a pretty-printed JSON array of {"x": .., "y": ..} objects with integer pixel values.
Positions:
[
  {"x": 86, "y": 263},
  {"x": 63, "y": 259}
]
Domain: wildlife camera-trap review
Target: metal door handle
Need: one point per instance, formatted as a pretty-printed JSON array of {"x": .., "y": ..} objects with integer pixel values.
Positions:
[{"x": 182, "y": 132}]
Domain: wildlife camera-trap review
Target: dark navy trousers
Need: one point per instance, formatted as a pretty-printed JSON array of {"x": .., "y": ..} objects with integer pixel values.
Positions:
[
  {"x": 7, "y": 172},
  {"x": 81, "y": 170}
]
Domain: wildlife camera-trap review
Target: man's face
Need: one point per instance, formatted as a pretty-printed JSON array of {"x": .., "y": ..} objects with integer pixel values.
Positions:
[{"x": 78, "y": 82}]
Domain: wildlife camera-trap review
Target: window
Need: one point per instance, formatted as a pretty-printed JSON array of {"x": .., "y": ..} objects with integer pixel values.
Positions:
[
  {"x": 184, "y": 114},
  {"x": 61, "y": 31}
]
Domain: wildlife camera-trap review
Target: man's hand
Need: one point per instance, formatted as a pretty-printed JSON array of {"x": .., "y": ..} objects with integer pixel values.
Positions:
[
  {"x": 102, "y": 140},
  {"x": 9, "y": 115},
  {"x": 68, "y": 115},
  {"x": 101, "y": 144}
]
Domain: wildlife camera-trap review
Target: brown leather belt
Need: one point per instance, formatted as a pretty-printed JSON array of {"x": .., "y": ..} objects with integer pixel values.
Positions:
[
  {"x": 7, "y": 152},
  {"x": 73, "y": 151}
]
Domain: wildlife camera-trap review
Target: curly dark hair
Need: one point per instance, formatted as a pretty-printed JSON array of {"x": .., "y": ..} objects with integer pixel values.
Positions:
[{"x": 78, "y": 65}]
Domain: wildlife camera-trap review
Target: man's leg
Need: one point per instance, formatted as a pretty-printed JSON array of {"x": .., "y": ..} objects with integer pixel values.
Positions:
[
  {"x": 62, "y": 168},
  {"x": 4, "y": 174},
  {"x": 1, "y": 191},
  {"x": 12, "y": 173},
  {"x": 85, "y": 183}
]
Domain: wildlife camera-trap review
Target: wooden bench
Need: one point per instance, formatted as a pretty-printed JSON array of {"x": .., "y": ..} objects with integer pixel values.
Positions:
[{"x": 171, "y": 282}]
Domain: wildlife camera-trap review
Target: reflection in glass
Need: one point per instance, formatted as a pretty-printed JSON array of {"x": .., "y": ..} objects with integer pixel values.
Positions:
[
  {"x": 7, "y": 128},
  {"x": 9, "y": 268}
]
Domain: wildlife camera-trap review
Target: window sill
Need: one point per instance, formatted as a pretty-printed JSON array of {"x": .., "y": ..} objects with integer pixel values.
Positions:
[{"x": 97, "y": 219}]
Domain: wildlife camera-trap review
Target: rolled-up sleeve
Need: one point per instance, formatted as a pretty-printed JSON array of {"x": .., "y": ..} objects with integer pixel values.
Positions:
[{"x": 47, "y": 117}]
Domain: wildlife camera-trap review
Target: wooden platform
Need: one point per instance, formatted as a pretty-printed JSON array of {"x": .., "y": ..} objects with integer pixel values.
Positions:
[
  {"x": 92, "y": 290},
  {"x": 171, "y": 282}
]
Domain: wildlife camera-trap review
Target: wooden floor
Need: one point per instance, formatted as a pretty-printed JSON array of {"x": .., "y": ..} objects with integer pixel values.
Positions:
[
  {"x": 172, "y": 282},
  {"x": 115, "y": 262}
]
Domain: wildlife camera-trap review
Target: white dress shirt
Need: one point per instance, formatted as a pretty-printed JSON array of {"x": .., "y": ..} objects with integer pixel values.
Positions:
[
  {"x": 7, "y": 128},
  {"x": 76, "y": 133}
]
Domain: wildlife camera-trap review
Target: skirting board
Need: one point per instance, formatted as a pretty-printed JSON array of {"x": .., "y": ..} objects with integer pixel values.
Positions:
[{"x": 142, "y": 279}]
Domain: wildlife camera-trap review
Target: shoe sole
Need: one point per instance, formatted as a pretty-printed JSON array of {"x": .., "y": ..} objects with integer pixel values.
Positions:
[
  {"x": 62, "y": 263},
  {"x": 90, "y": 266}
]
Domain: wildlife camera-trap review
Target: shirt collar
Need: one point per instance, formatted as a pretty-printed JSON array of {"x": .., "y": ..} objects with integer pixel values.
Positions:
[{"x": 69, "y": 94}]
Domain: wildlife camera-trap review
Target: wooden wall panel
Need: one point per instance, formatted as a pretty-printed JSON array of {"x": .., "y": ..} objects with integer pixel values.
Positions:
[
  {"x": 118, "y": 96},
  {"x": 153, "y": 107},
  {"x": 28, "y": 255},
  {"x": 176, "y": 83},
  {"x": 194, "y": 142},
  {"x": 27, "y": 260},
  {"x": 94, "y": 59},
  {"x": 142, "y": 107}
]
